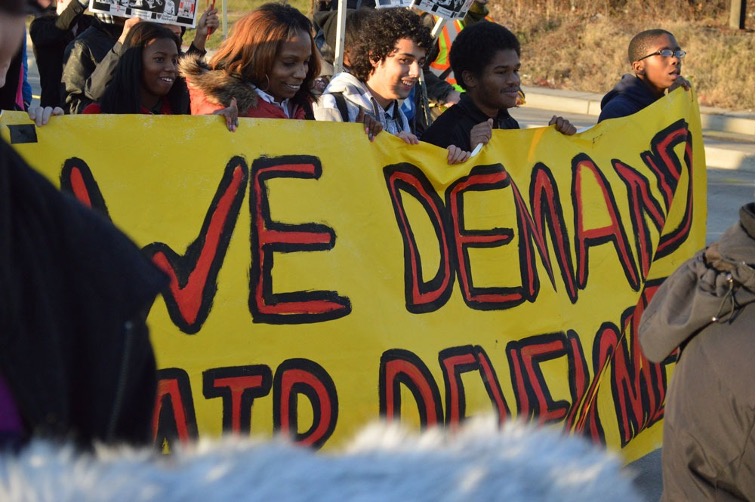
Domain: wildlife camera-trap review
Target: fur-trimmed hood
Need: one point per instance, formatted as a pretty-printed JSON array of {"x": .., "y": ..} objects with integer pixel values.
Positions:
[
  {"x": 480, "y": 461},
  {"x": 216, "y": 86}
]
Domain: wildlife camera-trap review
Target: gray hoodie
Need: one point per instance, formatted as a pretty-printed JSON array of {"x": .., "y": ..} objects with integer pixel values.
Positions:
[{"x": 357, "y": 97}]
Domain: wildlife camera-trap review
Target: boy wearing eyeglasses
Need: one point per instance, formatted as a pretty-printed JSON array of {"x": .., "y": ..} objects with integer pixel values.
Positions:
[{"x": 656, "y": 60}]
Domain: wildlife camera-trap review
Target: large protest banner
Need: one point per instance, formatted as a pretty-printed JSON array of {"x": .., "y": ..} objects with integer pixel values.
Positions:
[{"x": 320, "y": 281}]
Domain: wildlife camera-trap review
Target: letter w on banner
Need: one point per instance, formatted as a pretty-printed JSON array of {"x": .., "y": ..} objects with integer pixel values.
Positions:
[{"x": 320, "y": 281}]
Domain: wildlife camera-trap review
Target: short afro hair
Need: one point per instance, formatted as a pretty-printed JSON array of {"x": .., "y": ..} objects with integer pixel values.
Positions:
[
  {"x": 642, "y": 43},
  {"x": 475, "y": 47},
  {"x": 380, "y": 34}
]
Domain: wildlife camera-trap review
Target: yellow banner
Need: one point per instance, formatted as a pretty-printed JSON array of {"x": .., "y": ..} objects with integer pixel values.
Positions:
[{"x": 319, "y": 281}]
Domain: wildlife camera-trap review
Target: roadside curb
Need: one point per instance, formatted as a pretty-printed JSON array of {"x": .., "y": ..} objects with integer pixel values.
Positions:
[
  {"x": 587, "y": 103},
  {"x": 729, "y": 135},
  {"x": 729, "y": 158},
  {"x": 733, "y": 122},
  {"x": 543, "y": 98}
]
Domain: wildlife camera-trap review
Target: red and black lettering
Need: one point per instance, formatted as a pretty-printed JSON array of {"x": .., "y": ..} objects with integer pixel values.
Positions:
[
  {"x": 269, "y": 237},
  {"x": 174, "y": 417},
  {"x": 238, "y": 387},
  {"x": 402, "y": 367},
  {"x": 77, "y": 179},
  {"x": 295, "y": 377},
  {"x": 193, "y": 276}
]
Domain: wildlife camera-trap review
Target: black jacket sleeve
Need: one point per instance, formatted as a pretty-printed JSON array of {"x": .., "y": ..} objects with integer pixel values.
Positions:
[
  {"x": 44, "y": 31},
  {"x": 438, "y": 89},
  {"x": 78, "y": 67},
  {"x": 448, "y": 129}
]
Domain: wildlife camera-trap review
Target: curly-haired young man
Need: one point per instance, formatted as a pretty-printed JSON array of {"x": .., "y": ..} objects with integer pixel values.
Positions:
[{"x": 385, "y": 63}]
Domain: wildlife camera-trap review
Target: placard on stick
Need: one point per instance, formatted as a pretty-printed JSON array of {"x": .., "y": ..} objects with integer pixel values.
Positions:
[
  {"x": 448, "y": 9},
  {"x": 178, "y": 12}
]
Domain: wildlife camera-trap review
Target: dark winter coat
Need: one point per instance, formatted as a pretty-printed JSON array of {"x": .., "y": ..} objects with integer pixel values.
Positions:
[
  {"x": 9, "y": 93},
  {"x": 629, "y": 96},
  {"x": 50, "y": 34},
  {"x": 74, "y": 346},
  {"x": 706, "y": 308},
  {"x": 82, "y": 57},
  {"x": 454, "y": 125}
]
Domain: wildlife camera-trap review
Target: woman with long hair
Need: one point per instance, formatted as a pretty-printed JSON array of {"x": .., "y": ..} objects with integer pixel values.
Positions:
[
  {"x": 268, "y": 63},
  {"x": 146, "y": 79}
]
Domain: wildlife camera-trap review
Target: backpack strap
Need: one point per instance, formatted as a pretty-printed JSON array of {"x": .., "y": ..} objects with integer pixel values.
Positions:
[
  {"x": 341, "y": 105},
  {"x": 445, "y": 73}
]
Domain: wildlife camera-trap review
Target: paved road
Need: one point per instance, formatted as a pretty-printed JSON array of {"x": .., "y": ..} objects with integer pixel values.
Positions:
[{"x": 728, "y": 190}]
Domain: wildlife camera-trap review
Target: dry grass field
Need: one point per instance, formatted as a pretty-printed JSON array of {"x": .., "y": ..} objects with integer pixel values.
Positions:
[{"x": 582, "y": 44}]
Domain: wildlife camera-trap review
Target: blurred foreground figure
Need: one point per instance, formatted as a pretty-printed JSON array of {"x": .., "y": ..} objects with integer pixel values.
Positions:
[
  {"x": 478, "y": 462},
  {"x": 75, "y": 357},
  {"x": 706, "y": 309}
]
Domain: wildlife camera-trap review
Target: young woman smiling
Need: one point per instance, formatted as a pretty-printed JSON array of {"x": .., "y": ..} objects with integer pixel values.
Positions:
[
  {"x": 268, "y": 63},
  {"x": 146, "y": 78}
]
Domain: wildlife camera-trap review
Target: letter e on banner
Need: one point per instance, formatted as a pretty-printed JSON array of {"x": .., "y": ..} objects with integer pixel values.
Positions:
[{"x": 269, "y": 236}]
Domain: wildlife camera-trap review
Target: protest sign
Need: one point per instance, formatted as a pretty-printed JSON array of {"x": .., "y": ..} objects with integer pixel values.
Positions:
[
  {"x": 388, "y": 4},
  {"x": 320, "y": 281},
  {"x": 447, "y": 9},
  {"x": 179, "y": 12}
]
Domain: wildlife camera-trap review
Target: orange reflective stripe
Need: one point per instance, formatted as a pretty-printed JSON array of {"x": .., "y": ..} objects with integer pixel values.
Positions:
[{"x": 445, "y": 41}]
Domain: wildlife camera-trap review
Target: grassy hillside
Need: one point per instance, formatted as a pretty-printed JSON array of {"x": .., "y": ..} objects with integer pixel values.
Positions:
[{"x": 582, "y": 44}]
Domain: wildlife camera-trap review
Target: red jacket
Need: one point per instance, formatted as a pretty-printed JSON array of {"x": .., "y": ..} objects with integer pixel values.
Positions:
[
  {"x": 211, "y": 90},
  {"x": 95, "y": 109},
  {"x": 203, "y": 104}
]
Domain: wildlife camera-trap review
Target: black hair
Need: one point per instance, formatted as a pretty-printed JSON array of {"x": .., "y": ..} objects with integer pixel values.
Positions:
[
  {"x": 380, "y": 33},
  {"x": 123, "y": 93},
  {"x": 642, "y": 43},
  {"x": 476, "y": 45}
]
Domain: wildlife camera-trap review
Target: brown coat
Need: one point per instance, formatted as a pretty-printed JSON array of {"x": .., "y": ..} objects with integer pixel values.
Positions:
[{"x": 706, "y": 307}]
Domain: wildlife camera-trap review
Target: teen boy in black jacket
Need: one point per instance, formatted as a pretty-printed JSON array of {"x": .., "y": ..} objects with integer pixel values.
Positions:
[{"x": 485, "y": 58}]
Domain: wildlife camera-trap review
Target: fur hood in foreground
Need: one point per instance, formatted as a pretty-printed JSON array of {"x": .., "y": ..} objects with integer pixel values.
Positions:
[
  {"x": 384, "y": 462},
  {"x": 216, "y": 86}
]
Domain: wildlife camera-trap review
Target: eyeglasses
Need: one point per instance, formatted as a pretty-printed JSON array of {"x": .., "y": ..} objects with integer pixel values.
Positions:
[{"x": 667, "y": 53}]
